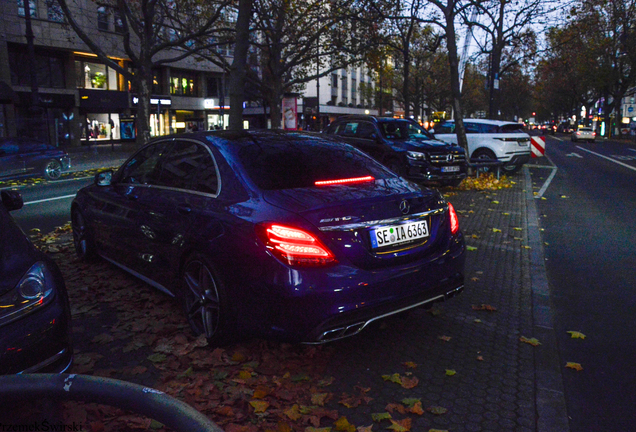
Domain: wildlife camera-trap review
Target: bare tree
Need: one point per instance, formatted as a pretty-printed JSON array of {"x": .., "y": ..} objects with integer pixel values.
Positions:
[
  {"x": 291, "y": 36},
  {"x": 153, "y": 33}
]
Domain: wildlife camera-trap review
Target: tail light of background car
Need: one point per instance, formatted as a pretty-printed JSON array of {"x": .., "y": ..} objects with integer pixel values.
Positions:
[
  {"x": 294, "y": 246},
  {"x": 454, "y": 221}
]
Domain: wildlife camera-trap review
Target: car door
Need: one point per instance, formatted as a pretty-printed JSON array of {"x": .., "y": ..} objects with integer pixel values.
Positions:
[
  {"x": 11, "y": 164},
  {"x": 116, "y": 213},
  {"x": 180, "y": 202}
]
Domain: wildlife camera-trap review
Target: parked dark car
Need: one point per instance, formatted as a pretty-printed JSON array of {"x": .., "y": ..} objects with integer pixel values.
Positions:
[
  {"x": 291, "y": 235},
  {"x": 404, "y": 147},
  {"x": 22, "y": 157},
  {"x": 35, "y": 317}
]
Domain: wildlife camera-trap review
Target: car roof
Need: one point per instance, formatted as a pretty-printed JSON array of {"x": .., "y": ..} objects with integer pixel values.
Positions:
[
  {"x": 372, "y": 118},
  {"x": 486, "y": 121}
]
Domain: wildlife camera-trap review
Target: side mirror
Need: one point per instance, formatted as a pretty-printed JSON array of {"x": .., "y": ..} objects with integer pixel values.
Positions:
[
  {"x": 12, "y": 200},
  {"x": 104, "y": 178}
]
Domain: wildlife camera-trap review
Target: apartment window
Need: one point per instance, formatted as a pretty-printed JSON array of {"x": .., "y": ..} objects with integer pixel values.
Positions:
[
  {"x": 49, "y": 68},
  {"x": 102, "y": 19},
  {"x": 354, "y": 87},
  {"x": 33, "y": 8},
  {"x": 334, "y": 81},
  {"x": 54, "y": 11},
  {"x": 344, "y": 91},
  {"x": 183, "y": 83},
  {"x": 118, "y": 21}
]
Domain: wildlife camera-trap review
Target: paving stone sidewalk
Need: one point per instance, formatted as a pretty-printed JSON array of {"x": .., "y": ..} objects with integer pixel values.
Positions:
[{"x": 469, "y": 355}]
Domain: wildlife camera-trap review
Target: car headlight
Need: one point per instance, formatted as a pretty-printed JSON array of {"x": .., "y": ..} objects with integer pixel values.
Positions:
[
  {"x": 416, "y": 155},
  {"x": 34, "y": 290}
]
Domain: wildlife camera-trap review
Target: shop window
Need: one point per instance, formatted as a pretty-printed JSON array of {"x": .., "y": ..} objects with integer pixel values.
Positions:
[
  {"x": 102, "y": 19},
  {"x": 48, "y": 68},
  {"x": 54, "y": 11},
  {"x": 33, "y": 8}
]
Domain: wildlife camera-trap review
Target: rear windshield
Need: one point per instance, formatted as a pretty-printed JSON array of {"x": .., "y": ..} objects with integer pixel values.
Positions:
[
  {"x": 299, "y": 163},
  {"x": 511, "y": 128}
]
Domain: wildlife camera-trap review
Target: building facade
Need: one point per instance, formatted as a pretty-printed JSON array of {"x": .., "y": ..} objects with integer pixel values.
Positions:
[{"x": 62, "y": 93}]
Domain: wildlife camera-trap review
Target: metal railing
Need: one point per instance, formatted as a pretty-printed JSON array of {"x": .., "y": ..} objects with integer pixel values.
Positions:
[{"x": 146, "y": 401}]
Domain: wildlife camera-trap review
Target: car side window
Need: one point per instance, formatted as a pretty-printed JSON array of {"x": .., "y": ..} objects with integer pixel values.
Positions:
[
  {"x": 446, "y": 128},
  {"x": 365, "y": 130},
  {"x": 471, "y": 127},
  {"x": 347, "y": 129},
  {"x": 143, "y": 167},
  {"x": 189, "y": 165}
]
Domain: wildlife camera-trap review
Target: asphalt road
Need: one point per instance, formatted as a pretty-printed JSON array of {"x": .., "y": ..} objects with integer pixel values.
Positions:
[
  {"x": 587, "y": 208},
  {"x": 47, "y": 206}
]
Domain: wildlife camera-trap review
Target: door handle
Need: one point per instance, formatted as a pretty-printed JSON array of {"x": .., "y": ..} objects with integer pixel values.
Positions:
[{"x": 184, "y": 209}]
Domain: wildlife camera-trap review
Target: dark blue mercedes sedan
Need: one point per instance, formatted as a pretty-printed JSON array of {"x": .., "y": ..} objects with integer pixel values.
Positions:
[{"x": 274, "y": 234}]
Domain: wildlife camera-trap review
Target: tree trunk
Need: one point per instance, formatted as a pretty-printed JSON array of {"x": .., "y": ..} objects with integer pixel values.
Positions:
[
  {"x": 453, "y": 61},
  {"x": 238, "y": 69}
]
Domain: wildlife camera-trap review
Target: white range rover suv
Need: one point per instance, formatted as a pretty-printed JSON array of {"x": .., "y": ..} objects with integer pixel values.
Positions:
[{"x": 491, "y": 140}]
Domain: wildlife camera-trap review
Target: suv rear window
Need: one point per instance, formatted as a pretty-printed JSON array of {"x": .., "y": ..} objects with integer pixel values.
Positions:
[
  {"x": 511, "y": 128},
  {"x": 299, "y": 163}
]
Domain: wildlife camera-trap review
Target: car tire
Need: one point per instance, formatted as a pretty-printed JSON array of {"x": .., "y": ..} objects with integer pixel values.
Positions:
[
  {"x": 510, "y": 168},
  {"x": 82, "y": 237},
  {"x": 52, "y": 170},
  {"x": 204, "y": 300},
  {"x": 484, "y": 155}
]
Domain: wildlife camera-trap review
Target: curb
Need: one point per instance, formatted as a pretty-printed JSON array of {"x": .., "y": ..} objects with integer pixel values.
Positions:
[{"x": 550, "y": 396}]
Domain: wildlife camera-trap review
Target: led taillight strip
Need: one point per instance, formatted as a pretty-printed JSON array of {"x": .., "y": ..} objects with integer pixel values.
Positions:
[{"x": 348, "y": 180}]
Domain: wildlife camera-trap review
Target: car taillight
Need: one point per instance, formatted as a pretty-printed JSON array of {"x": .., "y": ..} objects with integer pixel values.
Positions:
[
  {"x": 454, "y": 221},
  {"x": 295, "y": 246},
  {"x": 343, "y": 181}
]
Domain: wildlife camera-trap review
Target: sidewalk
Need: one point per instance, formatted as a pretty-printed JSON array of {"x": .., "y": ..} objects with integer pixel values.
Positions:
[{"x": 486, "y": 360}]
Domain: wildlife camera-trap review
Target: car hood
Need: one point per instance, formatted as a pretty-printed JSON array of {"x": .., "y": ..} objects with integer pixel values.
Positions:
[
  {"x": 426, "y": 145},
  {"x": 17, "y": 254}
]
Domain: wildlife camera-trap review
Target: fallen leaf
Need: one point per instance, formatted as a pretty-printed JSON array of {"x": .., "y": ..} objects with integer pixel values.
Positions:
[
  {"x": 293, "y": 413},
  {"x": 480, "y": 358},
  {"x": 400, "y": 425},
  {"x": 484, "y": 307},
  {"x": 259, "y": 406},
  {"x": 496, "y": 230},
  {"x": 313, "y": 429},
  {"x": 395, "y": 407},
  {"x": 378, "y": 417},
  {"x": 364, "y": 428},
  {"x": 471, "y": 248},
  {"x": 393, "y": 378},
  {"x": 533, "y": 341},
  {"x": 437, "y": 410},
  {"x": 575, "y": 366},
  {"x": 444, "y": 338},
  {"x": 417, "y": 408},
  {"x": 450, "y": 372},
  {"x": 577, "y": 335},
  {"x": 410, "y": 365},
  {"x": 319, "y": 398},
  {"x": 409, "y": 382},
  {"x": 343, "y": 425}
]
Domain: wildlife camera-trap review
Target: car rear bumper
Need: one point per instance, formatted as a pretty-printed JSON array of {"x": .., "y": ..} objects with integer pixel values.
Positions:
[{"x": 316, "y": 307}]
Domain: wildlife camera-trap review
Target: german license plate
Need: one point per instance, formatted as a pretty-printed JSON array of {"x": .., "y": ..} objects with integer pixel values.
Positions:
[
  {"x": 396, "y": 234},
  {"x": 452, "y": 168}
]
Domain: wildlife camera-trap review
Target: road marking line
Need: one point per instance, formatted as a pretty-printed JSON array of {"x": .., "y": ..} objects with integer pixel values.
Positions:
[
  {"x": 574, "y": 155},
  {"x": 631, "y": 149},
  {"x": 548, "y": 180},
  {"x": 608, "y": 158},
  {"x": 50, "y": 199}
]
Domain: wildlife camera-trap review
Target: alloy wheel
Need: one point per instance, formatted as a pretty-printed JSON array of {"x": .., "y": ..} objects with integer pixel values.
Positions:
[{"x": 201, "y": 296}]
